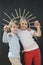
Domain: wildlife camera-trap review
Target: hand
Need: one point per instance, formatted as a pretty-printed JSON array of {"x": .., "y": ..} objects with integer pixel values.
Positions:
[
  {"x": 22, "y": 51},
  {"x": 6, "y": 28},
  {"x": 37, "y": 24},
  {"x": 9, "y": 34}
]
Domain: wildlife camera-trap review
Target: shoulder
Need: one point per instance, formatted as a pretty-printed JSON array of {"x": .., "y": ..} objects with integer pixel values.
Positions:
[
  {"x": 19, "y": 30},
  {"x": 32, "y": 31},
  {"x": 29, "y": 29}
]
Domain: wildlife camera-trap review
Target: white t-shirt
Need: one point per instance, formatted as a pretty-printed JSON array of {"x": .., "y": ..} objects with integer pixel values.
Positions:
[{"x": 26, "y": 38}]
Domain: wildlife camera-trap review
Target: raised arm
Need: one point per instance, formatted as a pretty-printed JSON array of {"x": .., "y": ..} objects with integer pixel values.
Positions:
[
  {"x": 4, "y": 38},
  {"x": 38, "y": 32}
]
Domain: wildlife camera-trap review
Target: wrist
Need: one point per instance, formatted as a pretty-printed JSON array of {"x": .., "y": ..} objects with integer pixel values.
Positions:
[{"x": 38, "y": 27}]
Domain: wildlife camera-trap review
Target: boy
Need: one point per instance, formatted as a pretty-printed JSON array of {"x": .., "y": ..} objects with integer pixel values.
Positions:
[{"x": 14, "y": 47}]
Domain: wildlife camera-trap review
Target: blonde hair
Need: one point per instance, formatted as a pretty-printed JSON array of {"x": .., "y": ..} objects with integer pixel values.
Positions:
[
  {"x": 24, "y": 19},
  {"x": 12, "y": 22}
]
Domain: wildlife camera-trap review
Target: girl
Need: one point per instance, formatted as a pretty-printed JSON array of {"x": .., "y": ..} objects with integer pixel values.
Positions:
[{"x": 31, "y": 48}]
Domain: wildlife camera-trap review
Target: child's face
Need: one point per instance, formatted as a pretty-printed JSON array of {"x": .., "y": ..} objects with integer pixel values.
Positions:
[
  {"x": 24, "y": 25},
  {"x": 14, "y": 28}
]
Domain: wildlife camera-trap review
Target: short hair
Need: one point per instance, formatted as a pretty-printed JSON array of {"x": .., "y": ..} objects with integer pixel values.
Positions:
[{"x": 12, "y": 22}]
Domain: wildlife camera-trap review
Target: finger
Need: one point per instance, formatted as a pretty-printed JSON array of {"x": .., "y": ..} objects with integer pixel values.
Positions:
[
  {"x": 37, "y": 24},
  {"x": 36, "y": 21}
]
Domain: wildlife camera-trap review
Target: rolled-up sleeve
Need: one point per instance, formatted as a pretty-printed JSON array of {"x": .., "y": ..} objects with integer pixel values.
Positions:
[{"x": 4, "y": 38}]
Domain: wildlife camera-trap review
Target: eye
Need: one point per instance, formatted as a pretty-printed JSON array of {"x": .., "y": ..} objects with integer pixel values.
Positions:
[
  {"x": 26, "y": 24},
  {"x": 22, "y": 23},
  {"x": 14, "y": 27}
]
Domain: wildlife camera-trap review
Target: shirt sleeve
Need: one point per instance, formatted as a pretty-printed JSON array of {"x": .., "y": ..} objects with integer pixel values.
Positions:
[
  {"x": 32, "y": 32},
  {"x": 4, "y": 38}
]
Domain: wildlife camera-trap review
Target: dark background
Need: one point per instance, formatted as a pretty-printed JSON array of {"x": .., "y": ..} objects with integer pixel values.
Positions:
[{"x": 35, "y": 7}]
